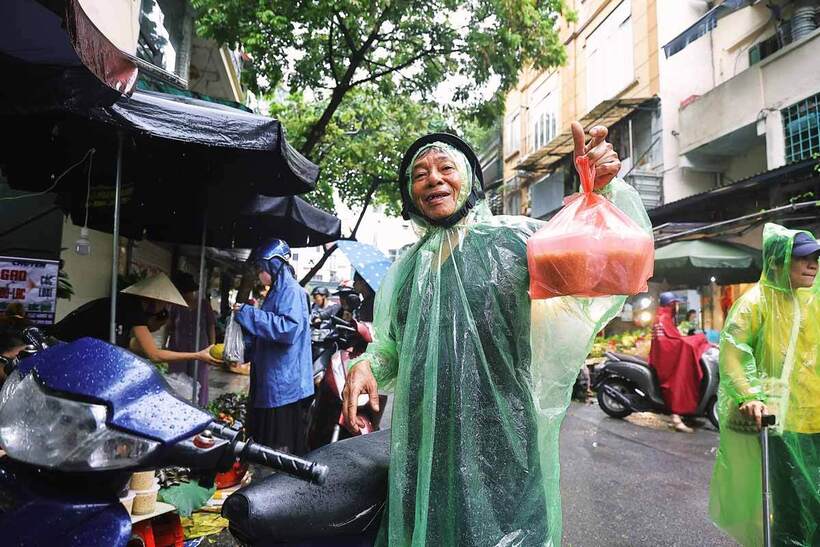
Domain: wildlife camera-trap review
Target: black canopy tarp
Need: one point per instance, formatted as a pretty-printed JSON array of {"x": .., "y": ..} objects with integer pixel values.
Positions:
[
  {"x": 174, "y": 146},
  {"x": 289, "y": 218}
]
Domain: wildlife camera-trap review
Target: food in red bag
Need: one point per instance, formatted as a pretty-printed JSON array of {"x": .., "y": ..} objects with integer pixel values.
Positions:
[{"x": 590, "y": 248}]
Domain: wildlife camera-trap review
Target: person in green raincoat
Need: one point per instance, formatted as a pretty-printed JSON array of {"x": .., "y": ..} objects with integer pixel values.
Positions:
[
  {"x": 769, "y": 350},
  {"x": 482, "y": 375}
]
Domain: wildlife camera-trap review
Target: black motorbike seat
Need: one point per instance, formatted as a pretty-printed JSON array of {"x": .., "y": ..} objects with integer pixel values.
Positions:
[
  {"x": 281, "y": 508},
  {"x": 629, "y": 358}
]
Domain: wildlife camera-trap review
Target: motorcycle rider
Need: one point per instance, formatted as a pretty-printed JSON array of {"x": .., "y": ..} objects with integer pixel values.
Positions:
[
  {"x": 278, "y": 332},
  {"x": 676, "y": 359},
  {"x": 321, "y": 309},
  {"x": 770, "y": 364}
]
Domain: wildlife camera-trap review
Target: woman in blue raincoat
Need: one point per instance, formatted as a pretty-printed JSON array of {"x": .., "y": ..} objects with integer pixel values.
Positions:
[
  {"x": 279, "y": 337},
  {"x": 482, "y": 375}
]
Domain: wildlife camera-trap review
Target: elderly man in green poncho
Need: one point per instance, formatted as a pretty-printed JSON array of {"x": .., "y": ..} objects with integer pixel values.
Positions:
[
  {"x": 769, "y": 364},
  {"x": 482, "y": 375}
]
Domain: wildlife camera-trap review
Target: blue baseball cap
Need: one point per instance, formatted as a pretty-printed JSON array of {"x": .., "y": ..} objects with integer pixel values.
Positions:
[
  {"x": 667, "y": 298},
  {"x": 804, "y": 245}
]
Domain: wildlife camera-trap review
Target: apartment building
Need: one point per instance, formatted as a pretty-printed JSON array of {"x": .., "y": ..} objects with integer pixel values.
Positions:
[
  {"x": 741, "y": 114},
  {"x": 705, "y": 101},
  {"x": 611, "y": 78}
]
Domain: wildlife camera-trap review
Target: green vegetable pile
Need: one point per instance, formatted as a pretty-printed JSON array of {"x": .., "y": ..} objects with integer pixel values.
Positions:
[
  {"x": 229, "y": 407},
  {"x": 625, "y": 342}
]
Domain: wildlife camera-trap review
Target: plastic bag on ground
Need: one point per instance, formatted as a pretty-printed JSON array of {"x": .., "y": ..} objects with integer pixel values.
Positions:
[
  {"x": 182, "y": 384},
  {"x": 590, "y": 248},
  {"x": 234, "y": 351}
]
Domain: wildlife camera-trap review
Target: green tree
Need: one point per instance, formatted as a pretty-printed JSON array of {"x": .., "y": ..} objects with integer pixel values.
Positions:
[
  {"x": 364, "y": 141},
  {"x": 332, "y": 47}
]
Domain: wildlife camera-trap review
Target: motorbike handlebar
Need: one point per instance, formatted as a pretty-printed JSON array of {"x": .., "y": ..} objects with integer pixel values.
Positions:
[
  {"x": 303, "y": 469},
  {"x": 341, "y": 322}
]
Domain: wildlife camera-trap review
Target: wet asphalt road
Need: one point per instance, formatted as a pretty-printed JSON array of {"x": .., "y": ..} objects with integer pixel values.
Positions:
[{"x": 627, "y": 485}]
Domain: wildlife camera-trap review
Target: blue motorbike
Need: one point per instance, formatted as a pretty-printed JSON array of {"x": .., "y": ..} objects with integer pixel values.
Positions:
[{"x": 77, "y": 419}]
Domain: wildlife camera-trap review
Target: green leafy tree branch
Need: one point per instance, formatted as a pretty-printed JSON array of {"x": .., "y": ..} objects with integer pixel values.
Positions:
[{"x": 394, "y": 52}]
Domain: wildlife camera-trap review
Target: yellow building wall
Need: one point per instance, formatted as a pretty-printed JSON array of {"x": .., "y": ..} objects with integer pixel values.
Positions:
[{"x": 573, "y": 77}]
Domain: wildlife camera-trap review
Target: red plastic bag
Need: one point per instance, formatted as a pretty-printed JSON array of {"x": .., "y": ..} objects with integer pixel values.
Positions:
[{"x": 590, "y": 248}]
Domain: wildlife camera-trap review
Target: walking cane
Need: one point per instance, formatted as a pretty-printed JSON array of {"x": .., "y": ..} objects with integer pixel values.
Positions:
[{"x": 766, "y": 422}]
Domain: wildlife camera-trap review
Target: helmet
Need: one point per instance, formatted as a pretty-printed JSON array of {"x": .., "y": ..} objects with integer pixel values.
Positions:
[
  {"x": 345, "y": 287},
  {"x": 267, "y": 252},
  {"x": 320, "y": 290},
  {"x": 667, "y": 298}
]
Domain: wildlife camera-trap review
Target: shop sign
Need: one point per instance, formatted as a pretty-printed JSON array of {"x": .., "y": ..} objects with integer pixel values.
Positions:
[{"x": 33, "y": 283}]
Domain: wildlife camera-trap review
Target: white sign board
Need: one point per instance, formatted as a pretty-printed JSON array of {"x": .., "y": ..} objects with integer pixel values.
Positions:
[{"x": 33, "y": 283}]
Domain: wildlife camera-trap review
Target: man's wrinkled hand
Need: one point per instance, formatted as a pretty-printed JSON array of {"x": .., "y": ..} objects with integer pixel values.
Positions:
[
  {"x": 360, "y": 380},
  {"x": 598, "y": 150},
  {"x": 754, "y": 410}
]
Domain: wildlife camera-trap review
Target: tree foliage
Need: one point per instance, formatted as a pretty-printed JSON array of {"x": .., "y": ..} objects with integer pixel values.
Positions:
[
  {"x": 363, "y": 142},
  {"x": 385, "y": 50}
]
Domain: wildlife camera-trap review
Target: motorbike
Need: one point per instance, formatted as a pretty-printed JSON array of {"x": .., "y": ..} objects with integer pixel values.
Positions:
[
  {"x": 344, "y": 512},
  {"x": 627, "y": 384},
  {"x": 332, "y": 349},
  {"x": 77, "y": 419}
]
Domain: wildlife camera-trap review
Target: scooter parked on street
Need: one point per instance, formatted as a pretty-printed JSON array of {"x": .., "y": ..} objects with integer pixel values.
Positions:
[
  {"x": 627, "y": 384},
  {"x": 331, "y": 352},
  {"x": 77, "y": 419}
]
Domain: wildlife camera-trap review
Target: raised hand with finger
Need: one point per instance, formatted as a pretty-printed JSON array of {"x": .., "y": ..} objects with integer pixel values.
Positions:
[{"x": 602, "y": 157}]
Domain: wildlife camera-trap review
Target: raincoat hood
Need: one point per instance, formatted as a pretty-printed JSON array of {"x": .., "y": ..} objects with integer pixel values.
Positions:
[
  {"x": 778, "y": 243},
  {"x": 769, "y": 352},
  {"x": 469, "y": 166}
]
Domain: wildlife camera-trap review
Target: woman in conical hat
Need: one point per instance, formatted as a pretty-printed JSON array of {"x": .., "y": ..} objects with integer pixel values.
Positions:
[{"x": 141, "y": 308}]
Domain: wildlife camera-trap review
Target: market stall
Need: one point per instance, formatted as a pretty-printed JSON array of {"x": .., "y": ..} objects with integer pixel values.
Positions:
[{"x": 720, "y": 270}]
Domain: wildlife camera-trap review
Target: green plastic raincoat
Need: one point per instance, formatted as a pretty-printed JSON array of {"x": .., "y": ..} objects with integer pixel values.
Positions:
[
  {"x": 482, "y": 378},
  {"x": 769, "y": 352}
]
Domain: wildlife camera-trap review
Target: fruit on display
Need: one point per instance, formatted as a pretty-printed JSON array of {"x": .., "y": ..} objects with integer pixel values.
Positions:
[{"x": 634, "y": 342}]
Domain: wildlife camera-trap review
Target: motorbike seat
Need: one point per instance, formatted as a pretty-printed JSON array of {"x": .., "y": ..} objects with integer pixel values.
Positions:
[
  {"x": 281, "y": 508},
  {"x": 629, "y": 358}
]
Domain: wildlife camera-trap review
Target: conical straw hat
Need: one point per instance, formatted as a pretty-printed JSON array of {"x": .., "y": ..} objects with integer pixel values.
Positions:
[{"x": 158, "y": 287}]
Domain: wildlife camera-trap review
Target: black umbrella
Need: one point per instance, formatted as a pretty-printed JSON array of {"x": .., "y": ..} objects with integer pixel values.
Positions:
[
  {"x": 173, "y": 148},
  {"x": 289, "y": 218}
]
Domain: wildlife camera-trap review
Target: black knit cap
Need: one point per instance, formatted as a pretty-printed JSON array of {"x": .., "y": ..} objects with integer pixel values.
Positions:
[{"x": 476, "y": 193}]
